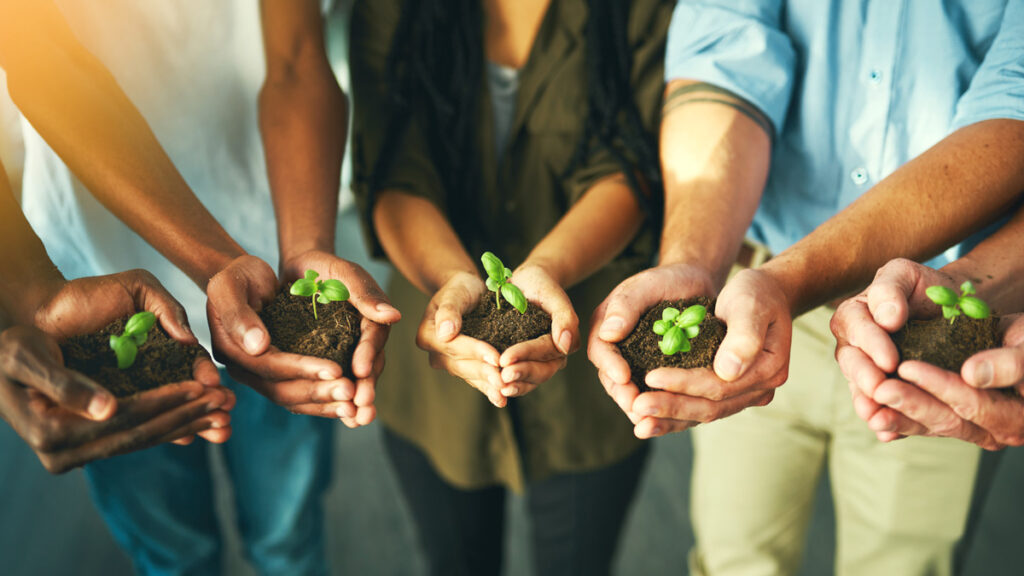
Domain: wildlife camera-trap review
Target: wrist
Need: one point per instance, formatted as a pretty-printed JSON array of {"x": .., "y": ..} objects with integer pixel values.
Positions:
[
  {"x": 787, "y": 280},
  {"x": 292, "y": 250},
  {"x": 34, "y": 288}
]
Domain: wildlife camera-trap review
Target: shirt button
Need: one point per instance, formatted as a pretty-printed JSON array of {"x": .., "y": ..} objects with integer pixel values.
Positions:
[
  {"x": 859, "y": 176},
  {"x": 875, "y": 76}
]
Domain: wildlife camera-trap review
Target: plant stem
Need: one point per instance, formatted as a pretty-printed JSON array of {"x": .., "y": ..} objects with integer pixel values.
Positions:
[
  {"x": 497, "y": 298},
  {"x": 314, "y": 307}
]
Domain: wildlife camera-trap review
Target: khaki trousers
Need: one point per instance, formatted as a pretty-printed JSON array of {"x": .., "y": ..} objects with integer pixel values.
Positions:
[{"x": 900, "y": 507}]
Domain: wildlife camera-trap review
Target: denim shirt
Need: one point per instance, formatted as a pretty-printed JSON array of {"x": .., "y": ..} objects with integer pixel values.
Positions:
[{"x": 853, "y": 88}]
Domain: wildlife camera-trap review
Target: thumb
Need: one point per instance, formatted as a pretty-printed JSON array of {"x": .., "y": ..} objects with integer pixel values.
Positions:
[
  {"x": 451, "y": 305},
  {"x": 890, "y": 292},
  {"x": 747, "y": 329},
  {"x": 33, "y": 359},
  {"x": 229, "y": 302},
  {"x": 370, "y": 300}
]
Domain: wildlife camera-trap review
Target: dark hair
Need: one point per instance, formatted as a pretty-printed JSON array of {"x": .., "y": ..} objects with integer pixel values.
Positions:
[{"x": 436, "y": 66}]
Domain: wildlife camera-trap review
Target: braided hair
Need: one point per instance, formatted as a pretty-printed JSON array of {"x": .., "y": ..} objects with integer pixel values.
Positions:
[{"x": 436, "y": 67}]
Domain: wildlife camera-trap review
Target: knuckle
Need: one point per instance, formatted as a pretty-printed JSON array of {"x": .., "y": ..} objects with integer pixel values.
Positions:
[{"x": 40, "y": 439}]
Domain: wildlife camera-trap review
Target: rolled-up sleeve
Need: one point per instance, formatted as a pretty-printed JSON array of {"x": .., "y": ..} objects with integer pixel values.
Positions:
[
  {"x": 997, "y": 89},
  {"x": 736, "y": 45}
]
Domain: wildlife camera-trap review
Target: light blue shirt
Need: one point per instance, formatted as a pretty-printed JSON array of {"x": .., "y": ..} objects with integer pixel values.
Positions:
[{"x": 853, "y": 88}]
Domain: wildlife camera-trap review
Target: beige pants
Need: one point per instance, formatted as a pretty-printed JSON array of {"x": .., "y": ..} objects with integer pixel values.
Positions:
[{"x": 900, "y": 507}]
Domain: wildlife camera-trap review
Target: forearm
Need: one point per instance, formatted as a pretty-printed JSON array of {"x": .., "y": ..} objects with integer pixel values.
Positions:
[
  {"x": 303, "y": 120},
  {"x": 715, "y": 159},
  {"x": 596, "y": 229},
  {"x": 419, "y": 241},
  {"x": 76, "y": 105},
  {"x": 996, "y": 267},
  {"x": 932, "y": 202}
]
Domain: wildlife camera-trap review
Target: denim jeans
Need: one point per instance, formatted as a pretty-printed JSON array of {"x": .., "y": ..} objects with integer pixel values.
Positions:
[{"x": 159, "y": 503}]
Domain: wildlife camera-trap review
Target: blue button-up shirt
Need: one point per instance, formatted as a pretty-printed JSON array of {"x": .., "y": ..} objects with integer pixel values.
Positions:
[{"x": 854, "y": 88}]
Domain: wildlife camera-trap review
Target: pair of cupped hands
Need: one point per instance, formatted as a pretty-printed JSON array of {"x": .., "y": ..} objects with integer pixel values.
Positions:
[{"x": 69, "y": 420}]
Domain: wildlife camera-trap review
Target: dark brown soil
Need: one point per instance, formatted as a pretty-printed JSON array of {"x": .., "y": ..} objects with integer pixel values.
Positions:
[
  {"x": 292, "y": 327},
  {"x": 505, "y": 327},
  {"x": 161, "y": 360},
  {"x": 641, "y": 351},
  {"x": 946, "y": 345}
]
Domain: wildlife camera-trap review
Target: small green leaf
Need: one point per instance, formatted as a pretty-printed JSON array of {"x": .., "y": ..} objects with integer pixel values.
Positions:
[
  {"x": 125, "y": 350},
  {"x": 950, "y": 312},
  {"x": 304, "y": 287},
  {"x": 685, "y": 345},
  {"x": 975, "y": 307},
  {"x": 661, "y": 326},
  {"x": 672, "y": 342},
  {"x": 692, "y": 316},
  {"x": 492, "y": 284},
  {"x": 140, "y": 323},
  {"x": 967, "y": 288},
  {"x": 508, "y": 273},
  {"x": 321, "y": 298},
  {"x": 139, "y": 339},
  {"x": 334, "y": 290},
  {"x": 311, "y": 275},
  {"x": 669, "y": 314},
  {"x": 514, "y": 296},
  {"x": 942, "y": 296},
  {"x": 493, "y": 266},
  {"x": 692, "y": 331}
]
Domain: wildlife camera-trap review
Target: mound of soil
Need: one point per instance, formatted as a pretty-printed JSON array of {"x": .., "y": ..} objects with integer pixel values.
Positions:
[
  {"x": 641, "y": 351},
  {"x": 946, "y": 345},
  {"x": 161, "y": 360},
  {"x": 505, "y": 327},
  {"x": 332, "y": 336}
]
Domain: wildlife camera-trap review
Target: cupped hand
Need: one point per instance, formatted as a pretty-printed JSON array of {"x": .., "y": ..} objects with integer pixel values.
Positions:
[
  {"x": 53, "y": 409},
  {"x": 378, "y": 315},
  {"x": 88, "y": 304},
  {"x": 462, "y": 356},
  {"x": 302, "y": 384},
  {"x": 526, "y": 365}
]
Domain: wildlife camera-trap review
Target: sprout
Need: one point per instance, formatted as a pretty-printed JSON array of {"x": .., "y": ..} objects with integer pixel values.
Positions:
[
  {"x": 952, "y": 305},
  {"x": 323, "y": 291},
  {"x": 497, "y": 282},
  {"x": 136, "y": 331},
  {"x": 678, "y": 328}
]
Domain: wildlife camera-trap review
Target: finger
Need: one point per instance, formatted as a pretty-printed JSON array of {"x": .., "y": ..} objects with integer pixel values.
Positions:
[
  {"x": 205, "y": 371},
  {"x": 996, "y": 368},
  {"x": 185, "y": 440},
  {"x": 565, "y": 325},
  {"x": 859, "y": 370},
  {"x": 365, "y": 393},
  {"x": 333, "y": 410},
  {"x": 623, "y": 308},
  {"x": 298, "y": 391},
  {"x": 918, "y": 404},
  {"x": 275, "y": 365},
  {"x": 33, "y": 360},
  {"x": 540, "y": 349},
  {"x": 149, "y": 294},
  {"x": 650, "y": 427},
  {"x": 853, "y": 323},
  {"x": 622, "y": 394},
  {"x": 889, "y": 295},
  {"x": 679, "y": 407},
  {"x": 365, "y": 294},
  {"x": 523, "y": 373},
  {"x": 479, "y": 375},
  {"x": 748, "y": 323},
  {"x": 371, "y": 343},
  {"x": 232, "y": 294},
  {"x": 605, "y": 355},
  {"x": 467, "y": 348}
]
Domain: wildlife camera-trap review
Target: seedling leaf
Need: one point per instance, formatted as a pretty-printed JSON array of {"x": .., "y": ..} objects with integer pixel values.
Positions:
[
  {"x": 125, "y": 350},
  {"x": 669, "y": 314},
  {"x": 672, "y": 342},
  {"x": 661, "y": 326},
  {"x": 493, "y": 266},
  {"x": 334, "y": 291},
  {"x": 941, "y": 295},
  {"x": 692, "y": 331},
  {"x": 311, "y": 275},
  {"x": 492, "y": 284},
  {"x": 304, "y": 287},
  {"x": 514, "y": 296},
  {"x": 692, "y": 316},
  {"x": 966, "y": 289},
  {"x": 975, "y": 307},
  {"x": 140, "y": 323}
]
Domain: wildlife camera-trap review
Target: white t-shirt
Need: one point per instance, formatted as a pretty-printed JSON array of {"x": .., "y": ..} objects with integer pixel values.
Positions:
[{"x": 193, "y": 68}]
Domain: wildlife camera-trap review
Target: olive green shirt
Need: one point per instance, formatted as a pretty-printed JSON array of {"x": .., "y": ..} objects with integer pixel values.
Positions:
[{"x": 568, "y": 424}]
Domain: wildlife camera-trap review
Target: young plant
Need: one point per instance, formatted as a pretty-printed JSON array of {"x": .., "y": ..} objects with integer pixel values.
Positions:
[
  {"x": 952, "y": 305},
  {"x": 678, "y": 328},
  {"x": 497, "y": 282},
  {"x": 126, "y": 346},
  {"x": 323, "y": 291}
]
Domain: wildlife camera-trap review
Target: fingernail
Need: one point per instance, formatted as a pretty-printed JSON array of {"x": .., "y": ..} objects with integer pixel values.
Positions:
[
  {"x": 510, "y": 391},
  {"x": 346, "y": 411},
  {"x": 509, "y": 376},
  {"x": 326, "y": 375},
  {"x": 656, "y": 431},
  {"x": 252, "y": 340},
  {"x": 649, "y": 411},
  {"x": 983, "y": 375},
  {"x": 728, "y": 367},
  {"x": 886, "y": 311},
  {"x": 98, "y": 405},
  {"x": 447, "y": 328},
  {"x": 385, "y": 308},
  {"x": 217, "y": 425},
  {"x": 213, "y": 406},
  {"x": 565, "y": 341},
  {"x": 612, "y": 326},
  {"x": 492, "y": 360},
  {"x": 193, "y": 395},
  {"x": 338, "y": 393}
]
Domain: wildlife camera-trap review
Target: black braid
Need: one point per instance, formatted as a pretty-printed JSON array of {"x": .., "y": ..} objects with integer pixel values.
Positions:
[{"x": 436, "y": 65}]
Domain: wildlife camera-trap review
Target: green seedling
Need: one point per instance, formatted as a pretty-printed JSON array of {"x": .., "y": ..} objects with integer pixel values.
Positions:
[
  {"x": 953, "y": 305},
  {"x": 322, "y": 291},
  {"x": 126, "y": 346},
  {"x": 497, "y": 282},
  {"x": 678, "y": 328}
]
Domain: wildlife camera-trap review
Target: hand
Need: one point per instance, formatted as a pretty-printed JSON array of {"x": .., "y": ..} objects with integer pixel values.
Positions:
[
  {"x": 527, "y": 364},
  {"x": 302, "y": 384},
  {"x": 53, "y": 409},
  {"x": 472, "y": 360},
  {"x": 356, "y": 407},
  {"x": 88, "y": 304},
  {"x": 864, "y": 350},
  {"x": 757, "y": 343}
]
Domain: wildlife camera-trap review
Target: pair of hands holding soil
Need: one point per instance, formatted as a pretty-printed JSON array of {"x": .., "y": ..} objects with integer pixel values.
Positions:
[{"x": 981, "y": 403}]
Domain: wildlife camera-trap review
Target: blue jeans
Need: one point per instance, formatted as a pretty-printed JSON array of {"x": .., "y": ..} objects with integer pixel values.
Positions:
[{"x": 159, "y": 503}]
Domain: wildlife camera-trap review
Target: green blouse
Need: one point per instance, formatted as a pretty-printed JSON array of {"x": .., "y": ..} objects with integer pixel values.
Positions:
[{"x": 568, "y": 424}]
